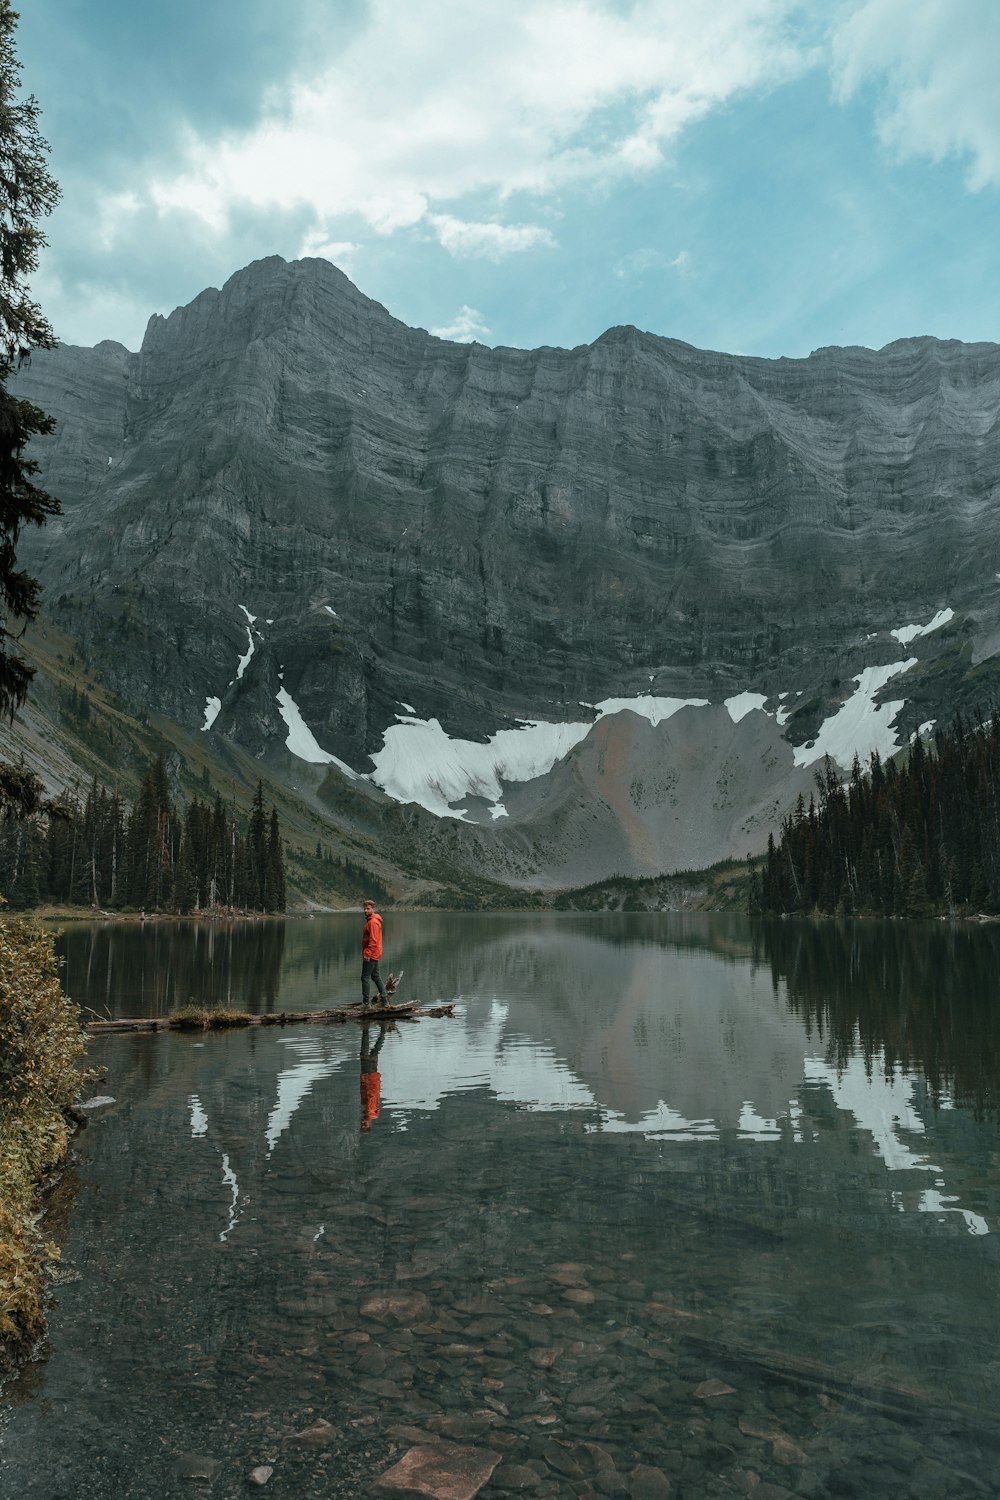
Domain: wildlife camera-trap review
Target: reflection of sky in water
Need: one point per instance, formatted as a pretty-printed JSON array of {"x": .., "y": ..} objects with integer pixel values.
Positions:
[{"x": 482, "y": 1049}]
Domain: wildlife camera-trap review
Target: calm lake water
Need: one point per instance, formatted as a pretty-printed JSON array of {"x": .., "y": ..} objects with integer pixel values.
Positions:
[{"x": 670, "y": 1198}]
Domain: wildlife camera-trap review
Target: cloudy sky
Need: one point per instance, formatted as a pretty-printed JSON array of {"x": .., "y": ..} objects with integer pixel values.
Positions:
[{"x": 762, "y": 176}]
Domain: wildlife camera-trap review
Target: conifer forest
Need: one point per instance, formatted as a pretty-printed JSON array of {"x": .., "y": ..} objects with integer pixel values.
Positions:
[
  {"x": 97, "y": 851},
  {"x": 915, "y": 838}
]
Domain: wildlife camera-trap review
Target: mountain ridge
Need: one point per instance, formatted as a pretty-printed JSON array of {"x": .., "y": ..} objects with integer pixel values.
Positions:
[{"x": 287, "y": 496}]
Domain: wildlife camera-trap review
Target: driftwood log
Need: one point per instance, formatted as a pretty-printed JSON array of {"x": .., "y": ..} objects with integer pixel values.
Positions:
[{"x": 223, "y": 1020}]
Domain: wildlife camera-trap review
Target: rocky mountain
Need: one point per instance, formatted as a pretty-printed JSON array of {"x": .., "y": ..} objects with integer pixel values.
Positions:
[{"x": 545, "y": 614}]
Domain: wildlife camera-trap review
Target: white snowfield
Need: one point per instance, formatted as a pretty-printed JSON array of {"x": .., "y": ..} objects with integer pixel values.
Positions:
[
  {"x": 745, "y": 703},
  {"x": 213, "y": 707},
  {"x": 860, "y": 725},
  {"x": 244, "y": 661},
  {"x": 907, "y": 633},
  {"x": 419, "y": 762},
  {"x": 301, "y": 741}
]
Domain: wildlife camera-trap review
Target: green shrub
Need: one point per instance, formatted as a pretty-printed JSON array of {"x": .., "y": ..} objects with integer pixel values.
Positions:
[
  {"x": 199, "y": 1018},
  {"x": 41, "y": 1043}
]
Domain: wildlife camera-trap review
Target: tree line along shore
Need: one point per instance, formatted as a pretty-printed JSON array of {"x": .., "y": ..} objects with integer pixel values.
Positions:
[
  {"x": 99, "y": 853},
  {"x": 914, "y": 838}
]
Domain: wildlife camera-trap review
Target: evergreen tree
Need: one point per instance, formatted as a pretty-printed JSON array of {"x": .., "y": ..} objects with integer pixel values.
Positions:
[
  {"x": 276, "y": 893},
  {"x": 908, "y": 838},
  {"x": 27, "y": 193},
  {"x": 95, "y": 853},
  {"x": 186, "y": 884},
  {"x": 218, "y": 884},
  {"x": 256, "y": 893}
]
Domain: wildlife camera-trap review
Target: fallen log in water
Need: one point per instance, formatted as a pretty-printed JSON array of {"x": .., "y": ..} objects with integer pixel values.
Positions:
[
  {"x": 902, "y": 1403},
  {"x": 195, "y": 1019}
]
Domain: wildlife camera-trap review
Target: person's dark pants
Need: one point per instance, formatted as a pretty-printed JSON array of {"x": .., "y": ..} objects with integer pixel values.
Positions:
[{"x": 369, "y": 975}]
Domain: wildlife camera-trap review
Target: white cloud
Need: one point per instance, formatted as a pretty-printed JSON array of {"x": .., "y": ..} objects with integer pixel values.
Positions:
[
  {"x": 89, "y": 308},
  {"x": 493, "y": 241},
  {"x": 637, "y": 263},
  {"x": 466, "y": 328},
  {"x": 341, "y": 252},
  {"x": 115, "y": 209},
  {"x": 430, "y": 105},
  {"x": 937, "y": 61}
]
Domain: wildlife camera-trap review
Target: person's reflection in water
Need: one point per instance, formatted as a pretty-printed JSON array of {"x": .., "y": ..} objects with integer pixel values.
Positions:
[{"x": 371, "y": 1078}]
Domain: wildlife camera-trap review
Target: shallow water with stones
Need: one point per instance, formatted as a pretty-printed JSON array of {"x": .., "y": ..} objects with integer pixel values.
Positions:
[{"x": 673, "y": 1205}]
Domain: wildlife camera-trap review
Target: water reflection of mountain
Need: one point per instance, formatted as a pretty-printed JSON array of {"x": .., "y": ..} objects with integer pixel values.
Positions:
[
  {"x": 647, "y": 1009},
  {"x": 920, "y": 996},
  {"x": 645, "y": 1025},
  {"x": 738, "y": 1044},
  {"x": 128, "y": 969}
]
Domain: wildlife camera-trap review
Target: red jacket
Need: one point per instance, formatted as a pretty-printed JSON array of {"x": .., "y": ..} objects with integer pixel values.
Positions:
[
  {"x": 371, "y": 938},
  {"x": 371, "y": 1096}
]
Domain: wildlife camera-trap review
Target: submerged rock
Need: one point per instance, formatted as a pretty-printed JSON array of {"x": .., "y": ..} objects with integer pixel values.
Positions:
[
  {"x": 397, "y": 1307},
  {"x": 445, "y": 1471},
  {"x": 711, "y": 1388},
  {"x": 195, "y": 1466},
  {"x": 318, "y": 1435},
  {"x": 649, "y": 1483}
]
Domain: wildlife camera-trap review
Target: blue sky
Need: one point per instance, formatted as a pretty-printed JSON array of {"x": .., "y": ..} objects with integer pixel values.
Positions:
[{"x": 756, "y": 176}]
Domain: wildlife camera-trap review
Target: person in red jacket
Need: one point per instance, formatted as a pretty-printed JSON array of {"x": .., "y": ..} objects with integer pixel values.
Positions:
[{"x": 371, "y": 952}]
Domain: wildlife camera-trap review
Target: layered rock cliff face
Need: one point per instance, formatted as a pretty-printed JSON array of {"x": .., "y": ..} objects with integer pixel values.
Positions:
[{"x": 296, "y": 520}]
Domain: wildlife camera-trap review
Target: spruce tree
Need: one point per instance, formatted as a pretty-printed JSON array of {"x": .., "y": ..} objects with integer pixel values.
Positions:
[
  {"x": 256, "y": 898},
  {"x": 27, "y": 193},
  {"x": 276, "y": 892},
  {"x": 185, "y": 885}
]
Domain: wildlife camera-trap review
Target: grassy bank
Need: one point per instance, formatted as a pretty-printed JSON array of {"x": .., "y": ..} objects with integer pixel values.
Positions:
[{"x": 41, "y": 1044}]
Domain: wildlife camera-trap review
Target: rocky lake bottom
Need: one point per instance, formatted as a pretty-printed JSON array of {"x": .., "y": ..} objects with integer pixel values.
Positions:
[{"x": 673, "y": 1206}]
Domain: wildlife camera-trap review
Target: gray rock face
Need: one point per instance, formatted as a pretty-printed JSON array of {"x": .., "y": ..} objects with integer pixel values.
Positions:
[{"x": 493, "y": 535}]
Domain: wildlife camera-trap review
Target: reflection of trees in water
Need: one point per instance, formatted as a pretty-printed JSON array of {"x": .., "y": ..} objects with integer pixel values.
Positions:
[
  {"x": 156, "y": 968},
  {"x": 923, "y": 995}
]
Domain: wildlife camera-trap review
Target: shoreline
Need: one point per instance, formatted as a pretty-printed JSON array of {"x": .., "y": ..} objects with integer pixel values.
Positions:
[
  {"x": 143, "y": 919},
  {"x": 41, "y": 1045},
  {"x": 48, "y": 916}
]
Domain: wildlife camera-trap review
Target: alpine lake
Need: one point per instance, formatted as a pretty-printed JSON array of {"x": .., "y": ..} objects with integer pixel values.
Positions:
[{"x": 673, "y": 1205}]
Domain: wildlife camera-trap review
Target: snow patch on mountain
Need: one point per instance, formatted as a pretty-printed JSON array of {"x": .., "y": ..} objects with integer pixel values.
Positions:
[
  {"x": 907, "y": 633},
  {"x": 213, "y": 707},
  {"x": 646, "y": 706},
  {"x": 244, "y": 661},
  {"x": 301, "y": 741},
  {"x": 860, "y": 726},
  {"x": 419, "y": 762},
  {"x": 744, "y": 703}
]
